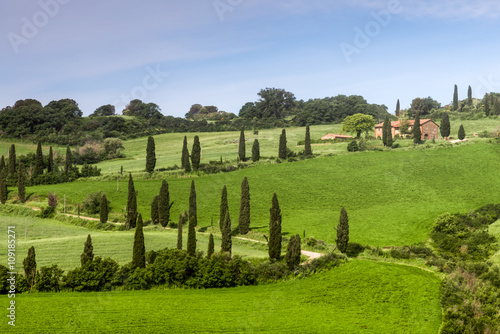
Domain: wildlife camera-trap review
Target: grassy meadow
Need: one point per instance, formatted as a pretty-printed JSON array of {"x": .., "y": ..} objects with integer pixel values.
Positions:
[
  {"x": 361, "y": 296},
  {"x": 494, "y": 229}
]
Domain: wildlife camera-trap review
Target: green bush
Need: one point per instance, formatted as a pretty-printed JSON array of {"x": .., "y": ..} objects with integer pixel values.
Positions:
[
  {"x": 353, "y": 146},
  {"x": 354, "y": 249},
  {"x": 92, "y": 203}
]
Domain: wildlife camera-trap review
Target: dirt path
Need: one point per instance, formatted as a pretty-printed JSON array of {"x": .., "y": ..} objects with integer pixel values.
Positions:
[{"x": 311, "y": 255}]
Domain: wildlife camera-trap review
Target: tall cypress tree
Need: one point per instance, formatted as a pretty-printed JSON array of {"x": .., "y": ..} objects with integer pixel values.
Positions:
[
  {"x": 255, "y": 151},
  {"x": 103, "y": 210},
  {"x": 29, "y": 264},
  {"x": 185, "y": 156},
  {"x": 223, "y": 207},
  {"x": 342, "y": 231},
  {"x": 461, "y": 132},
  {"x": 226, "y": 244},
  {"x": 139, "y": 251},
  {"x": 191, "y": 242},
  {"x": 398, "y": 110},
  {"x": 67, "y": 161},
  {"x": 3, "y": 186},
  {"x": 164, "y": 204},
  {"x": 274, "y": 243},
  {"x": 416, "y": 131},
  {"x": 444, "y": 129},
  {"x": 307, "y": 144},
  {"x": 455, "y": 99},
  {"x": 282, "y": 146},
  {"x": 293, "y": 252},
  {"x": 469, "y": 96},
  {"x": 131, "y": 204},
  {"x": 154, "y": 210},
  {"x": 88, "y": 252},
  {"x": 486, "y": 105},
  {"x": 50, "y": 164},
  {"x": 496, "y": 107},
  {"x": 38, "y": 170},
  {"x": 211, "y": 246},
  {"x": 150, "y": 155},
  {"x": 196, "y": 153},
  {"x": 21, "y": 191},
  {"x": 12, "y": 161},
  {"x": 179, "y": 231},
  {"x": 244, "y": 218},
  {"x": 193, "y": 214},
  {"x": 241, "y": 146},
  {"x": 2, "y": 163},
  {"x": 386, "y": 131}
]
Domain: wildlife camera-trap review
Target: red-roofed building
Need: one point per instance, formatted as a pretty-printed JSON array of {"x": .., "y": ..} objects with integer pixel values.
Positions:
[{"x": 429, "y": 129}]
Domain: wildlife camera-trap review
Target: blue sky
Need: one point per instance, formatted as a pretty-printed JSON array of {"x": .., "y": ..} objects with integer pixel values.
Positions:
[{"x": 222, "y": 52}]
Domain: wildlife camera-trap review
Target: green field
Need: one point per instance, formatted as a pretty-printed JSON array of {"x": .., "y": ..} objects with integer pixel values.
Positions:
[
  {"x": 391, "y": 197},
  {"x": 494, "y": 229},
  {"x": 361, "y": 296},
  {"x": 62, "y": 244}
]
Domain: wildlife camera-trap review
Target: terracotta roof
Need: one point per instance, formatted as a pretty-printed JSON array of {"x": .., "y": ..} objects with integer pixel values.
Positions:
[{"x": 397, "y": 124}]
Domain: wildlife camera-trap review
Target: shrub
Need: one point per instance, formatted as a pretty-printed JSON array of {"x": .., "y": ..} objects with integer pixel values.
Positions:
[
  {"x": 96, "y": 275},
  {"x": 92, "y": 203},
  {"x": 353, "y": 146},
  {"x": 354, "y": 249}
]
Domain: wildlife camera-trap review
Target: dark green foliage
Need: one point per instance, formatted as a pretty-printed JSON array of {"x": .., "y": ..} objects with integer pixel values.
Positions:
[
  {"x": 95, "y": 275},
  {"x": 50, "y": 164},
  {"x": 496, "y": 107},
  {"x": 193, "y": 215},
  {"x": 154, "y": 210},
  {"x": 223, "y": 208},
  {"x": 282, "y": 146},
  {"x": 38, "y": 169},
  {"x": 461, "y": 132},
  {"x": 52, "y": 199},
  {"x": 353, "y": 146},
  {"x": 226, "y": 244},
  {"x": 21, "y": 191},
  {"x": 182, "y": 220},
  {"x": 241, "y": 145},
  {"x": 487, "y": 107},
  {"x": 92, "y": 203},
  {"x": 444, "y": 128},
  {"x": 469, "y": 96},
  {"x": 455, "y": 99},
  {"x": 211, "y": 246},
  {"x": 416, "y": 131},
  {"x": 354, "y": 249},
  {"x": 164, "y": 204},
  {"x": 196, "y": 153},
  {"x": 88, "y": 252},
  {"x": 49, "y": 279},
  {"x": 12, "y": 161},
  {"x": 274, "y": 243},
  {"x": 185, "y": 156},
  {"x": 139, "y": 252},
  {"x": 3, "y": 186},
  {"x": 397, "y": 108},
  {"x": 131, "y": 205},
  {"x": 29, "y": 265},
  {"x": 2, "y": 163},
  {"x": 67, "y": 161},
  {"x": 255, "y": 150},
  {"x": 307, "y": 144},
  {"x": 150, "y": 155},
  {"x": 293, "y": 252},
  {"x": 103, "y": 210},
  {"x": 342, "y": 231},
  {"x": 244, "y": 217},
  {"x": 387, "y": 132}
]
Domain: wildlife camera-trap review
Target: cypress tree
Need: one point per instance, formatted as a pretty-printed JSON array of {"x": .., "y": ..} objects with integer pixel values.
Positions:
[
  {"x": 3, "y": 186},
  {"x": 21, "y": 191},
  {"x": 255, "y": 151},
  {"x": 416, "y": 131},
  {"x": 244, "y": 218},
  {"x": 292, "y": 256},
  {"x": 469, "y": 96},
  {"x": 455, "y": 99},
  {"x": 282, "y": 146},
  {"x": 496, "y": 107},
  {"x": 38, "y": 170},
  {"x": 307, "y": 144},
  {"x": 226, "y": 244},
  {"x": 139, "y": 251},
  {"x": 29, "y": 264},
  {"x": 154, "y": 210},
  {"x": 211, "y": 246},
  {"x": 191, "y": 242},
  {"x": 131, "y": 204},
  {"x": 196, "y": 153},
  {"x": 241, "y": 145},
  {"x": 50, "y": 164},
  {"x": 88, "y": 252},
  {"x": 397, "y": 108},
  {"x": 179, "y": 231},
  {"x": 150, "y": 155},
  {"x": 103, "y": 210},
  {"x": 193, "y": 215},
  {"x": 342, "y": 231},
  {"x": 2, "y": 163},
  {"x": 67, "y": 161},
  {"x": 223, "y": 207},
  {"x": 461, "y": 132},
  {"x": 444, "y": 129},
  {"x": 12, "y": 161},
  {"x": 486, "y": 104},
  {"x": 164, "y": 204},
  {"x": 274, "y": 243},
  {"x": 387, "y": 132},
  {"x": 185, "y": 156}
]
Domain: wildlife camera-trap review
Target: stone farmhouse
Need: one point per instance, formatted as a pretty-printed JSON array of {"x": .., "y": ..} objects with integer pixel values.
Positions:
[{"x": 429, "y": 129}]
